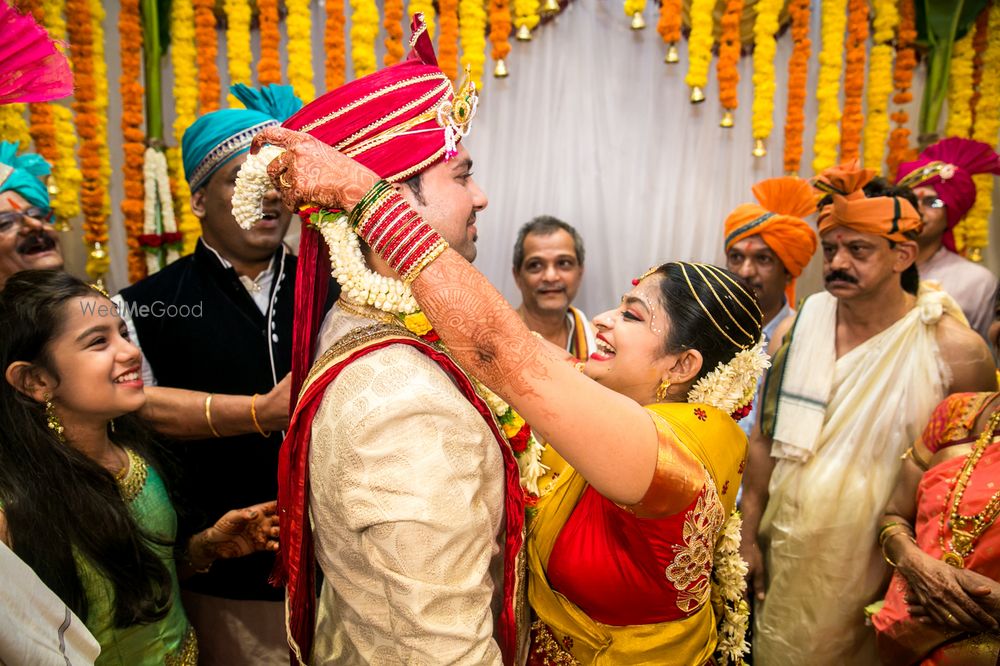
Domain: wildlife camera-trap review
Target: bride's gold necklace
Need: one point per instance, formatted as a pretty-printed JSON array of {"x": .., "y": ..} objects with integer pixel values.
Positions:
[{"x": 965, "y": 530}]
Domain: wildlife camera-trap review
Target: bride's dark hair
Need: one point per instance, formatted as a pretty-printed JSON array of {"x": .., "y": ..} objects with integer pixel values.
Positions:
[
  {"x": 58, "y": 503},
  {"x": 711, "y": 310}
]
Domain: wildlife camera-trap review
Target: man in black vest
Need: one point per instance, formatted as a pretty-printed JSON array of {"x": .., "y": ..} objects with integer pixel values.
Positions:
[{"x": 218, "y": 323}]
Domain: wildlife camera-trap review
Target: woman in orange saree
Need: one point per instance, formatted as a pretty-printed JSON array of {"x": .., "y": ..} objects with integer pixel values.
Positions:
[{"x": 939, "y": 531}]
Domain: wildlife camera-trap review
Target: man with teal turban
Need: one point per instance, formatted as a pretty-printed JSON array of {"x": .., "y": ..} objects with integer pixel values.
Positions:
[
  {"x": 218, "y": 323},
  {"x": 27, "y": 237}
]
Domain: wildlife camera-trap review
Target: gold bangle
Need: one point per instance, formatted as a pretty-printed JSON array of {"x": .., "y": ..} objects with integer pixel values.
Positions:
[
  {"x": 885, "y": 555},
  {"x": 208, "y": 415},
  {"x": 892, "y": 530},
  {"x": 253, "y": 415},
  {"x": 885, "y": 528}
]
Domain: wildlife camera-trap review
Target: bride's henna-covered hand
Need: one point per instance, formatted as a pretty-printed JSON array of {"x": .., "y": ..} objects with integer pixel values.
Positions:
[{"x": 311, "y": 172}]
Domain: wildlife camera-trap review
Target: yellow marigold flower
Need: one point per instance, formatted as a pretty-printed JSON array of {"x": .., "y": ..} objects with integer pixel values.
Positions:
[
  {"x": 513, "y": 426},
  {"x": 417, "y": 323}
]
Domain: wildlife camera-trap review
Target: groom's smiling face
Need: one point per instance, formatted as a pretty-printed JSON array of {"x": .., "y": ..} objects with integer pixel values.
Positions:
[{"x": 449, "y": 200}]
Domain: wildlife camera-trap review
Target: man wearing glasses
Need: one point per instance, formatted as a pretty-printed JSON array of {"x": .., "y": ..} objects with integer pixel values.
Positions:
[
  {"x": 27, "y": 237},
  {"x": 941, "y": 178}
]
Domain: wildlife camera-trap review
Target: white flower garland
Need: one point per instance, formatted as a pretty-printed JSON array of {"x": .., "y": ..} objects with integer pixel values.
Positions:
[
  {"x": 732, "y": 385},
  {"x": 729, "y": 585},
  {"x": 252, "y": 184},
  {"x": 156, "y": 185},
  {"x": 529, "y": 461},
  {"x": 359, "y": 284}
]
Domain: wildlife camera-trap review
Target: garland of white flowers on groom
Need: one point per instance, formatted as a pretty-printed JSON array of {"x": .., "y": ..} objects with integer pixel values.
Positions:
[{"x": 361, "y": 286}]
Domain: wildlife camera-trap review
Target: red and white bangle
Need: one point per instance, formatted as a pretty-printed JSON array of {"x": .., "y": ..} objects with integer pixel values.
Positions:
[{"x": 398, "y": 234}]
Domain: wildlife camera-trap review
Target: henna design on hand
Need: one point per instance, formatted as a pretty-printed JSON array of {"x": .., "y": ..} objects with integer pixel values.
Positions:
[{"x": 311, "y": 172}]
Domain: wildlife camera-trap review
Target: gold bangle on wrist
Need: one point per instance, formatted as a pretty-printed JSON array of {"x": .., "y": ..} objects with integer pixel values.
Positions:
[
  {"x": 885, "y": 556},
  {"x": 253, "y": 416},
  {"x": 208, "y": 415}
]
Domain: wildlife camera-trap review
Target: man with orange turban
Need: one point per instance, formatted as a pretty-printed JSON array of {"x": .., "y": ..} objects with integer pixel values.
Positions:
[
  {"x": 393, "y": 462},
  {"x": 941, "y": 178},
  {"x": 856, "y": 374},
  {"x": 768, "y": 244}
]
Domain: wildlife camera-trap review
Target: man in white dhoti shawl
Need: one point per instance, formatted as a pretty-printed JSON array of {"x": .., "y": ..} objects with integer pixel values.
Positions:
[{"x": 858, "y": 374}]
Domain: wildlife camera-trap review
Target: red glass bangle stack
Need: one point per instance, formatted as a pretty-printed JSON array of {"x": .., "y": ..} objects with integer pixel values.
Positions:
[{"x": 396, "y": 232}]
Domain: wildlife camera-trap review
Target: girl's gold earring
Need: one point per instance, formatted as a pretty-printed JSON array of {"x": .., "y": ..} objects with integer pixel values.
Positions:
[{"x": 52, "y": 419}]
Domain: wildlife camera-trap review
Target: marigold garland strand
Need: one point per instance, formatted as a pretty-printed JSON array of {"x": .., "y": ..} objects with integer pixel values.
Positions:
[
  {"x": 798, "y": 74},
  {"x": 472, "y": 15},
  {"x": 499, "y": 28},
  {"x": 880, "y": 82},
  {"x": 298, "y": 23},
  {"x": 80, "y": 29},
  {"x": 448, "y": 40},
  {"x": 764, "y": 49},
  {"x": 238, "y": 51},
  {"x": 269, "y": 65},
  {"x": 335, "y": 67},
  {"x": 526, "y": 14},
  {"x": 130, "y": 34},
  {"x": 729, "y": 55},
  {"x": 393, "y": 24},
  {"x": 42, "y": 128},
  {"x": 13, "y": 126},
  {"x": 101, "y": 107},
  {"x": 183, "y": 57},
  {"x": 633, "y": 7},
  {"x": 960, "y": 88},
  {"x": 66, "y": 175},
  {"x": 831, "y": 64},
  {"x": 902, "y": 76},
  {"x": 700, "y": 43},
  {"x": 979, "y": 43},
  {"x": 972, "y": 233},
  {"x": 206, "y": 39},
  {"x": 854, "y": 80},
  {"x": 669, "y": 23},
  {"x": 364, "y": 30},
  {"x": 425, "y": 7}
]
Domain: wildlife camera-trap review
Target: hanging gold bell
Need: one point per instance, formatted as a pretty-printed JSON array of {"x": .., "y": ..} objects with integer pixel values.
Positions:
[
  {"x": 758, "y": 148},
  {"x": 638, "y": 23},
  {"x": 697, "y": 95},
  {"x": 500, "y": 71},
  {"x": 98, "y": 261},
  {"x": 524, "y": 34},
  {"x": 727, "y": 120},
  {"x": 673, "y": 57},
  {"x": 549, "y": 7},
  {"x": 975, "y": 254}
]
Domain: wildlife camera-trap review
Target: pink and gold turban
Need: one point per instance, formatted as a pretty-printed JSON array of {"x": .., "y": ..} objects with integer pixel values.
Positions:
[
  {"x": 777, "y": 219},
  {"x": 948, "y": 166},
  {"x": 893, "y": 218},
  {"x": 397, "y": 121}
]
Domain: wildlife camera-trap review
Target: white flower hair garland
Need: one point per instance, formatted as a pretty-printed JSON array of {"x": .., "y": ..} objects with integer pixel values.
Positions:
[{"x": 731, "y": 386}]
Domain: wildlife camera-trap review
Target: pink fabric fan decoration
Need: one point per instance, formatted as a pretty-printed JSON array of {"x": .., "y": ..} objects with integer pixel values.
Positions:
[{"x": 31, "y": 67}]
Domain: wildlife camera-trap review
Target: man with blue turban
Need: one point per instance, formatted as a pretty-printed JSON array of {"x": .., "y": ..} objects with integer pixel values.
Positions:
[
  {"x": 27, "y": 237},
  {"x": 218, "y": 323}
]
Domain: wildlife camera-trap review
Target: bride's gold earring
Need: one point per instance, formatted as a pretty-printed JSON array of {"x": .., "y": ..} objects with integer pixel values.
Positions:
[
  {"x": 661, "y": 391},
  {"x": 52, "y": 419}
]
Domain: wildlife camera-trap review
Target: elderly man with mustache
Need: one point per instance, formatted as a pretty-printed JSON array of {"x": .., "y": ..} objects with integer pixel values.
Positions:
[
  {"x": 856, "y": 375},
  {"x": 27, "y": 238}
]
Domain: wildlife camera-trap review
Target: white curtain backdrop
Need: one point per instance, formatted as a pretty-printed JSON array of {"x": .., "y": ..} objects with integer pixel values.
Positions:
[{"x": 592, "y": 127}]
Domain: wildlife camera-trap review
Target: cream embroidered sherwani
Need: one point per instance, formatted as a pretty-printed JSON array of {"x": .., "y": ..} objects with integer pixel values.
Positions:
[
  {"x": 406, "y": 502},
  {"x": 841, "y": 426}
]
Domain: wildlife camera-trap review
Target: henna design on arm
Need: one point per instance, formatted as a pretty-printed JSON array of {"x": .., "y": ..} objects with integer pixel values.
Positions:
[{"x": 311, "y": 172}]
